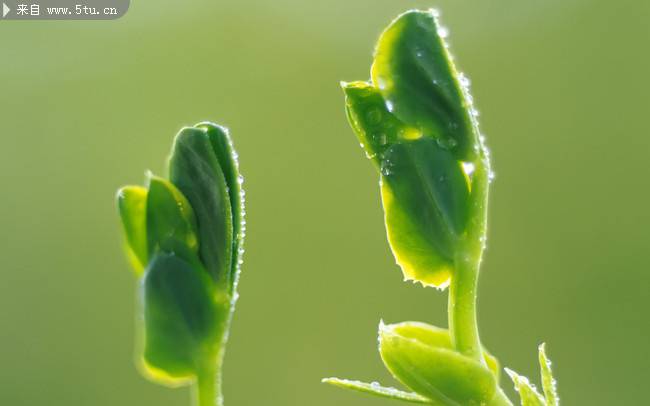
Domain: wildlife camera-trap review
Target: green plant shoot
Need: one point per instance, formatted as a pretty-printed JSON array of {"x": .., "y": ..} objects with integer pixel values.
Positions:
[
  {"x": 417, "y": 124},
  {"x": 184, "y": 237}
]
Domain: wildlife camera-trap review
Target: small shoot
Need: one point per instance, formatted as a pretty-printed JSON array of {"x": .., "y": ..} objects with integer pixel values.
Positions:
[
  {"x": 184, "y": 238},
  {"x": 416, "y": 122}
]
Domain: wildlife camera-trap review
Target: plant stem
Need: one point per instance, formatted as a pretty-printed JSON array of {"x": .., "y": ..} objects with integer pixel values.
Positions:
[
  {"x": 462, "y": 309},
  {"x": 462, "y": 292},
  {"x": 500, "y": 399},
  {"x": 207, "y": 391}
]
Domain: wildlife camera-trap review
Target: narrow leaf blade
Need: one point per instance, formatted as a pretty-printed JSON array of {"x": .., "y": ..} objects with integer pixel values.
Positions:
[
  {"x": 527, "y": 392},
  {"x": 548, "y": 382},
  {"x": 131, "y": 201},
  {"x": 378, "y": 390}
]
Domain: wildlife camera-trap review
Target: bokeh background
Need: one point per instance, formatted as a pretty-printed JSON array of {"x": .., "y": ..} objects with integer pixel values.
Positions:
[{"x": 562, "y": 86}]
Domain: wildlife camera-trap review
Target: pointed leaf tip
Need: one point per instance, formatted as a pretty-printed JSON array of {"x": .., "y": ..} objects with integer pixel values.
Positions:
[
  {"x": 131, "y": 201},
  {"x": 527, "y": 392},
  {"x": 376, "y": 389},
  {"x": 549, "y": 384}
]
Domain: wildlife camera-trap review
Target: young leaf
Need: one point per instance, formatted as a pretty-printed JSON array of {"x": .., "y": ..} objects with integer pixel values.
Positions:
[
  {"x": 182, "y": 320},
  {"x": 171, "y": 226},
  {"x": 378, "y": 390},
  {"x": 227, "y": 158},
  {"x": 414, "y": 122},
  {"x": 527, "y": 392},
  {"x": 416, "y": 76},
  {"x": 131, "y": 202},
  {"x": 433, "y": 336},
  {"x": 375, "y": 126},
  {"x": 426, "y": 198},
  {"x": 195, "y": 170},
  {"x": 548, "y": 382},
  {"x": 435, "y": 372}
]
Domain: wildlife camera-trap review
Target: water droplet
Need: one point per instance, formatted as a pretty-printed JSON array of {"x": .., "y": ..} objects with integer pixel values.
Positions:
[
  {"x": 447, "y": 143},
  {"x": 491, "y": 176},
  {"x": 389, "y": 106},
  {"x": 380, "y": 138},
  {"x": 386, "y": 167},
  {"x": 443, "y": 32},
  {"x": 240, "y": 179},
  {"x": 464, "y": 80}
]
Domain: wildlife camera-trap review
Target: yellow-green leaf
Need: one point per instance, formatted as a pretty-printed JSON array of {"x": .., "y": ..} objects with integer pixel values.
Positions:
[
  {"x": 132, "y": 201},
  {"x": 171, "y": 226},
  {"x": 437, "y": 373}
]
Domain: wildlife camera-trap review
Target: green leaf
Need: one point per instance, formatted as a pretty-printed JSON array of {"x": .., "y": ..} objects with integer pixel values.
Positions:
[
  {"x": 171, "y": 226},
  {"x": 548, "y": 382},
  {"x": 425, "y": 194},
  {"x": 415, "y": 122},
  {"x": 434, "y": 372},
  {"x": 527, "y": 392},
  {"x": 131, "y": 201},
  {"x": 415, "y": 75},
  {"x": 228, "y": 161},
  {"x": 437, "y": 337},
  {"x": 195, "y": 170},
  {"x": 374, "y": 125},
  {"x": 378, "y": 390},
  {"x": 182, "y": 321}
]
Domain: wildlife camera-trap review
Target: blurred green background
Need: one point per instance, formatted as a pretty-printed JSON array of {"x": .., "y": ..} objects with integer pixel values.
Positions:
[{"x": 562, "y": 86}]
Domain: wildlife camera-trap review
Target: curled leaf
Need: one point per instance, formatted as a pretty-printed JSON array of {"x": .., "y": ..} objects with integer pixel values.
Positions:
[
  {"x": 171, "y": 226},
  {"x": 433, "y": 371},
  {"x": 195, "y": 170},
  {"x": 131, "y": 202},
  {"x": 228, "y": 161}
]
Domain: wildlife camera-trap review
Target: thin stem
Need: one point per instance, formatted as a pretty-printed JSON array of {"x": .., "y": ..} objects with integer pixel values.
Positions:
[
  {"x": 462, "y": 309},
  {"x": 500, "y": 399},
  {"x": 207, "y": 391},
  {"x": 462, "y": 292}
]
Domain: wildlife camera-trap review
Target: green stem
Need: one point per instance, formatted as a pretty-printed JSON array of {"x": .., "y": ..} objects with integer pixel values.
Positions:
[
  {"x": 207, "y": 391},
  {"x": 500, "y": 399},
  {"x": 462, "y": 292},
  {"x": 462, "y": 309}
]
